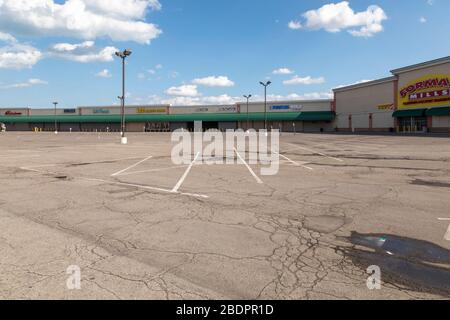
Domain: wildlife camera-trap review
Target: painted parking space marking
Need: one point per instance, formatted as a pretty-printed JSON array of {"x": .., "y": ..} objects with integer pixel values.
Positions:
[
  {"x": 298, "y": 164},
  {"x": 140, "y": 186},
  {"x": 131, "y": 167},
  {"x": 184, "y": 176},
  {"x": 447, "y": 234},
  {"x": 258, "y": 180},
  {"x": 152, "y": 170},
  {"x": 317, "y": 152}
]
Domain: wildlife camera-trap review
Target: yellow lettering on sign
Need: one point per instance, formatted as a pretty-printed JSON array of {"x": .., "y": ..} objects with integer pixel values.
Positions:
[
  {"x": 432, "y": 90},
  {"x": 388, "y": 106},
  {"x": 151, "y": 110}
]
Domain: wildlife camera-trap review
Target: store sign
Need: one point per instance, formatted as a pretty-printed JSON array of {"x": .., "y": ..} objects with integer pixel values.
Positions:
[
  {"x": 151, "y": 110},
  {"x": 228, "y": 109},
  {"x": 387, "y": 106},
  {"x": 287, "y": 107},
  {"x": 101, "y": 111},
  {"x": 13, "y": 113},
  {"x": 427, "y": 91},
  {"x": 70, "y": 110}
]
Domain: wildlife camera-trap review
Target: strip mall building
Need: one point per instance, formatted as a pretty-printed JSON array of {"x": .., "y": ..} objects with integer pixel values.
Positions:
[{"x": 414, "y": 99}]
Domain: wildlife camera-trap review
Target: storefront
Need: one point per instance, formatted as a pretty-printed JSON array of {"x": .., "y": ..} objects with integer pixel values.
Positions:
[
  {"x": 416, "y": 99},
  {"x": 424, "y": 97}
]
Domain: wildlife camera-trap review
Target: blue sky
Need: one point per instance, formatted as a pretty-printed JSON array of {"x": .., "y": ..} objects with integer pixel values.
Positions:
[{"x": 208, "y": 51}]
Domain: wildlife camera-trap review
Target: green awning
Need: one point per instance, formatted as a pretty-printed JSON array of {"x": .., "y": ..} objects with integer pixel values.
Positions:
[
  {"x": 445, "y": 111},
  {"x": 409, "y": 113},
  {"x": 206, "y": 117}
]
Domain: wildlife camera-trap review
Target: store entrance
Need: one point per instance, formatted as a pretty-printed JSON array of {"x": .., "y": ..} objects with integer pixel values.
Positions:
[
  {"x": 413, "y": 124},
  {"x": 205, "y": 125}
]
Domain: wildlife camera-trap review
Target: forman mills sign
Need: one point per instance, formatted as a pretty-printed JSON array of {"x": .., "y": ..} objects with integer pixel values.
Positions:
[{"x": 428, "y": 91}]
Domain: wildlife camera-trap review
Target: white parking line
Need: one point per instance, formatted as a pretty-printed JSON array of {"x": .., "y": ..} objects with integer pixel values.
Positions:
[
  {"x": 447, "y": 234},
  {"x": 147, "y": 188},
  {"x": 294, "y": 162},
  {"x": 152, "y": 170},
  {"x": 317, "y": 152},
  {"x": 178, "y": 185},
  {"x": 130, "y": 167},
  {"x": 248, "y": 167}
]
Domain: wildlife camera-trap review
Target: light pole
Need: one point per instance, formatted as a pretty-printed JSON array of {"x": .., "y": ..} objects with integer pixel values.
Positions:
[
  {"x": 248, "y": 120},
  {"x": 123, "y": 55},
  {"x": 56, "y": 124},
  {"x": 265, "y": 85}
]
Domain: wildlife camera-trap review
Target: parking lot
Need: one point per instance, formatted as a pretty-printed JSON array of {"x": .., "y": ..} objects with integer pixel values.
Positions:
[{"x": 141, "y": 227}]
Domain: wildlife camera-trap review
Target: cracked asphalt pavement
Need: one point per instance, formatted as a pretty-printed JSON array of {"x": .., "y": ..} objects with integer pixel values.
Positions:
[{"x": 222, "y": 235}]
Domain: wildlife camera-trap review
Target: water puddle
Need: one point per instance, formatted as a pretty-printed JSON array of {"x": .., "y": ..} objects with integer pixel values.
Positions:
[{"x": 414, "y": 264}]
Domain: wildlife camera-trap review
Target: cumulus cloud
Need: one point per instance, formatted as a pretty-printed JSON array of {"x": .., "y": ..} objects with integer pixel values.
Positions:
[
  {"x": 214, "y": 81},
  {"x": 71, "y": 47},
  {"x": 183, "y": 91},
  {"x": 83, "y": 52},
  {"x": 226, "y": 99},
  {"x": 25, "y": 84},
  {"x": 294, "y": 25},
  {"x": 283, "y": 71},
  {"x": 6, "y": 37},
  {"x": 135, "y": 9},
  {"x": 15, "y": 55},
  {"x": 304, "y": 80},
  {"x": 335, "y": 17},
  {"x": 84, "y": 19},
  {"x": 104, "y": 74},
  {"x": 223, "y": 99}
]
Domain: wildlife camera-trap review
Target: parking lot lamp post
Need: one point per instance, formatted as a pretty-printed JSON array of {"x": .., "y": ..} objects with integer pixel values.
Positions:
[
  {"x": 56, "y": 124},
  {"x": 265, "y": 85},
  {"x": 248, "y": 119},
  {"x": 123, "y": 55}
]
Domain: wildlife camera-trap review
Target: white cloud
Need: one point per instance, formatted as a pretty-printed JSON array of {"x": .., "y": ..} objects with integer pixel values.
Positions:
[
  {"x": 19, "y": 56},
  {"x": 223, "y": 99},
  {"x": 85, "y": 19},
  {"x": 213, "y": 81},
  {"x": 183, "y": 91},
  {"x": 26, "y": 84},
  {"x": 126, "y": 8},
  {"x": 72, "y": 47},
  {"x": 104, "y": 74},
  {"x": 295, "y": 25},
  {"x": 295, "y": 96},
  {"x": 83, "y": 52},
  {"x": 423, "y": 20},
  {"x": 283, "y": 71},
  {"x": 15, "y": 55},
  {"x": 304, "y": 80},
  {"x": 6, "y": 37},
  {"x": 335, "y": 17}
]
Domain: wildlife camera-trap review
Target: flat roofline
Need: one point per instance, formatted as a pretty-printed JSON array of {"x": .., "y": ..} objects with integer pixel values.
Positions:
[
  {"x": 285, "y": 101},
  {"x": 126, "y": 106},
  {"x": 421, "y": 65},
  {"x": 365, "y": 84}
]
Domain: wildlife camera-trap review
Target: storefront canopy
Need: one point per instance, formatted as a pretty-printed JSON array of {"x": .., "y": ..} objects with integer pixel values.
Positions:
[
  {"x": 409, "y": 113},
  {"x": 206, "y": 117},
  {"x": 438, "y": 112}
]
